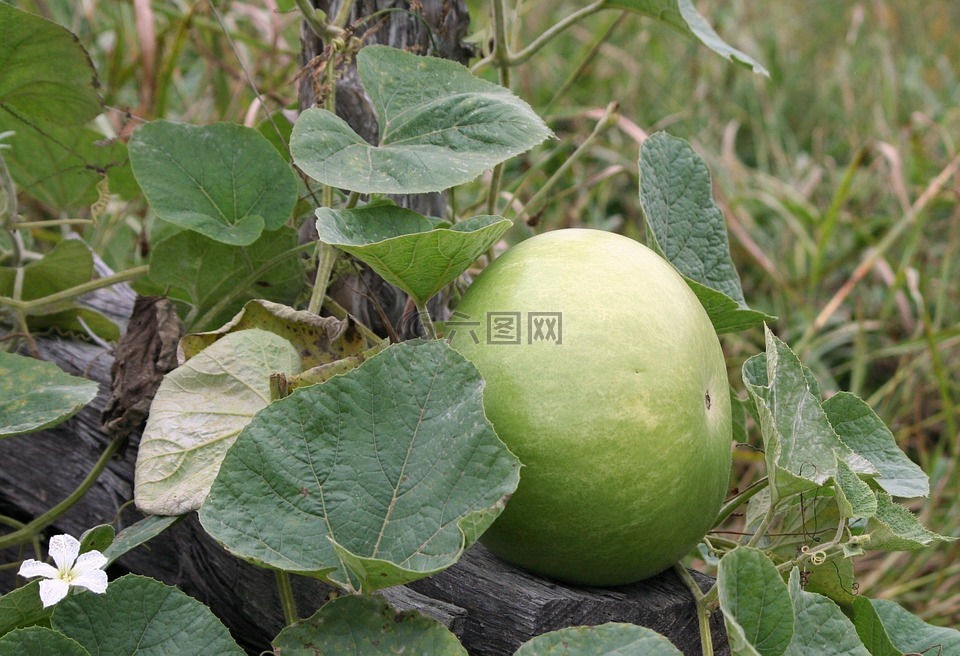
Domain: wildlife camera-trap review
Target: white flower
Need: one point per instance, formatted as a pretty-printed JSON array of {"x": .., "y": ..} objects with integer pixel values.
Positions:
[{"x": 85, "y": 571}]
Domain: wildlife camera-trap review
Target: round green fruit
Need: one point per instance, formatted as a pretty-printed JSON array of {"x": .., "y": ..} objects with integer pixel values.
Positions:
[{"x": 605, "y": 377}]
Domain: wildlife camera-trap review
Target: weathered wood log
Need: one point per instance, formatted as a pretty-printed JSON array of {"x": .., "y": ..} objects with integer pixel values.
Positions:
[{"x": 492, "y": 606}]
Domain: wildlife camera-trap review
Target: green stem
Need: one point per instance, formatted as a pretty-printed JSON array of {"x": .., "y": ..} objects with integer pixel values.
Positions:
[
  {"x": 27, "y": 225},
  {"x": 317, "y": 20},
  {"x": 740, "y": 499},
  {"x": 286, "y": 597},
  {"x": 326, "y": 258},
  {"x": 426, "y": 321},
  {"x": 764, "y": 525},
  {"x": 72, "y": 293},
  {"x": 30, "y": 529},
  {"x": 501, "y": 58},
  {"x": 703, "y": 615},
  {"x": 343, "y": 14},
  {"x": 552, "y": 32}
]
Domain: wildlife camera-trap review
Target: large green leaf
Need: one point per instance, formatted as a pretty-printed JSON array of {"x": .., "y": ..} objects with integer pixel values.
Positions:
[
  {"x": 683, "y": 16},
  {"x": 800, "y": 445},
  {"x": 611, "y": 639},
  {"x": 35, "y": 395},
  {"x": 69, "y": 264},
  {"x": 44, "y": 71},
  {"x": 820, "y": 627},
  {"x": 140, "y": 615},
  {"x": 22, "y": 607},
  {"x": 39, "y": 641},
  {"x": 859, "y": 427},
  {"x": 218, "y": 279},
  {"x": 755, "y": 602},
  {"x": 688, "y": 229},
  {"x": 47, "y": 94},
  {"x": 197, "y": 413},
  {"x": 439, "y": 127},
  {"x": 224, "y": 181},
  {"x": 363, "y": 625},
  {"x": 870, "y": 628},
  {"x": 912, "y": 635},
  {"x": 416, "y": 253},
  {"x": 377, "y": 477}
]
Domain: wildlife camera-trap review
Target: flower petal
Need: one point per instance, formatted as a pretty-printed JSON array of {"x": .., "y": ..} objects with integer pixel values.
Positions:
[
  {"x": 52, "y": 591},
  {"x": 31, "y": 568},
  {"x": 89, "y": 561},
  {"x": 94, "y": 580},
  {"x": 64, "y": 550}
]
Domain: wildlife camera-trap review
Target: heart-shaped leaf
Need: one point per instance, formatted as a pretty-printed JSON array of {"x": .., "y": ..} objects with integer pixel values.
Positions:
[
  {"x": 140, "y": 615},
  {"x": 197, "y": 413},
  {"x": 35, "y": 395},
  {"x": 416, "y": 253},
  {"x": 224, "y": 181},
  {"x": 682, "y": 15},
  {"x": 439, "y": 127},
  {"x": 39, "y": 641},
  {"x": 218, "y": 279},
  {"x": 688, "y": 229},
  {"x": 611, "y": 639},
  {"x": 365, "y": 625},
  {"x": 755, "y": 602},
  {"x": 377, "y": 477},
  {"x": 911, "y": 635}
]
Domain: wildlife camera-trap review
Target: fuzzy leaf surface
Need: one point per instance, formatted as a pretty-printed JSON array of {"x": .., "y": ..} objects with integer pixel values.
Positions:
[
  {"x": 224, "y": 181},
  {"x": 138, "y": 615},
  {"x": 440, "y": 126},
  {"x": 820, "y": 627},
  {"x": 688, "y": 229},
  {"x": 35, "y": 395},
  {"x": 197, "y": 413},
  {"x": 756, "y": 604},
  {"x": 371, "y": 479}
]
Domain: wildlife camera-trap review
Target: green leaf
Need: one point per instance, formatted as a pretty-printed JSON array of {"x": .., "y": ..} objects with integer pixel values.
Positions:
[
  {"x": 365, "y": 625},
  {"x": 418, "y": 254},
  {"x": 224, "y": 181},
  {"x": 854, "y": 496},
  {"x": 209, "y": 272},
  {"x": 684, "y": 17},
  {"x": 39, "y": 641},
  {"x": 133, "y": 536},
  {"x": 611, "y": 639},
  {"x": 197, "y": 413},
  {"x": 45, "y": 73},
  {"x": 833, "y": 579},
  {"x": 97, "y": 538},
  {"x": 439, "y": 127},
  {"x": 799, "y": 441},
  {"x": 912, "y": 635},
  {"x": 895, "y": 528},
  {"x": 755, "y": 602},
  {"x": 35, "y": 395},
  {"x": 820, "y": 627},
  {"x": 140, "y": 615},
  {"x": 60, "y": 165},
  {"x": 871, "y": 630},
  {"x": 22, "y": 607},
  {"x": 859, "y": 427},
  {"x": 377, "y": 477},
  {"x": 688, "y": 229},
  {"x": 318, "y": 340},
  {"x": 69, "y": 264}
]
